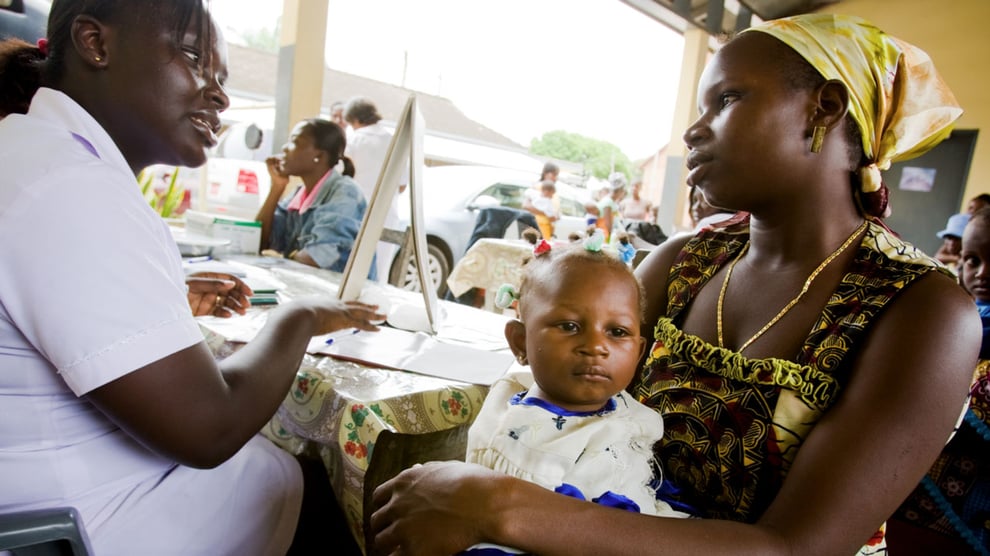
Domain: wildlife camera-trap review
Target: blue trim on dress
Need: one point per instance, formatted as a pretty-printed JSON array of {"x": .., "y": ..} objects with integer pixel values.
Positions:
[{"x": 520, "y": 399}]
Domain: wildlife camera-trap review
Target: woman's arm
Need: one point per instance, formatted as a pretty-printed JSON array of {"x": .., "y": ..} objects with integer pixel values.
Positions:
[
  {"x": 303, "y": 257},
  {"x": 652, "y": 271},
  {"x": 531, "y": 208},
  {"x": 871, "y": 449},
  {"x": 267, "y": 211},
  {"x": 856, "y": 466},
  {"x": 199, "y": 413},
  {"x": 335, "y": 225}
]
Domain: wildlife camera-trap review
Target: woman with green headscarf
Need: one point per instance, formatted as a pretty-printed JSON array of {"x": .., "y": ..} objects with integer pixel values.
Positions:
[{"x": 808, "y": 363}]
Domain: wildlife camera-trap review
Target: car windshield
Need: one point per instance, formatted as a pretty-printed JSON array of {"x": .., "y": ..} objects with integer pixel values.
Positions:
[
  {"x": 507, "y": 195},
  {"x": 451, "y": 188}
]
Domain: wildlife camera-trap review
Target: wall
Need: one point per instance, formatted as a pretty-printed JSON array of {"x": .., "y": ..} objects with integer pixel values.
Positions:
[{"x": 954, "y": 35}]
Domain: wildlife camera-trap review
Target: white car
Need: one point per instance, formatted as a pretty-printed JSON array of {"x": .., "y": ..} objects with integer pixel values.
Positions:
[{"x": 452, "y": 198}]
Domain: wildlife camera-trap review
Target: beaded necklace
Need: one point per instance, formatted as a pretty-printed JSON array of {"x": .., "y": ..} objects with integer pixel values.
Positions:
[{"x": 804, "y": 289}]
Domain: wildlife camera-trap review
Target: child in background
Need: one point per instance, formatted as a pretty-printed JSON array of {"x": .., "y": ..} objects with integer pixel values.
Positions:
[
  {"x": 625, "y": 247},
  {"x": 591, "y": 214},
  {"x": 951, "y": 236},
  {"x": 950, "y": 509},
  {"x": 571, "y": 427},
  {"x": 542, "y": 207},
  {"x": 974, "y": 273}
]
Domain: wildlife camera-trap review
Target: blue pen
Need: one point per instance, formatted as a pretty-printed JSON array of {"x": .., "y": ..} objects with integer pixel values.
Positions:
[
  {"x": 202, "y": 259},
  {"x": 341, "y": 334}
]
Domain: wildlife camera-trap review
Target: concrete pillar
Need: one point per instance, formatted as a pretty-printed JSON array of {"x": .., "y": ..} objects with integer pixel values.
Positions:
[
  {"x": 299, "y": 87},
  {"x": 674, "y": 195}
]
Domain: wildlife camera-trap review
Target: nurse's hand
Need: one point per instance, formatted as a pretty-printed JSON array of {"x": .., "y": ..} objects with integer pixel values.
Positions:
[{"x": 217, "y": 294}]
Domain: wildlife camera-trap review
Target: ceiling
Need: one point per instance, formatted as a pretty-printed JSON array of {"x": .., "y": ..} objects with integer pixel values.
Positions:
[{"x": 722, "y": 17}]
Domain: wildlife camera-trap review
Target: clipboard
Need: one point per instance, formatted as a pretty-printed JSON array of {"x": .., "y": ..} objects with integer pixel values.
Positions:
[{"x": 406, "y": 147}]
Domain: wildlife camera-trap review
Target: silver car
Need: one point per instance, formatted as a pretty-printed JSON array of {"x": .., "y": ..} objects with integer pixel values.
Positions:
[{"x": 452, "y": 198}]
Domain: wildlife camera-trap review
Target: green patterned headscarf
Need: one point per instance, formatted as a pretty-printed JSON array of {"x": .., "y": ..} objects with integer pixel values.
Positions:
[{"x": 902, "y": 106}]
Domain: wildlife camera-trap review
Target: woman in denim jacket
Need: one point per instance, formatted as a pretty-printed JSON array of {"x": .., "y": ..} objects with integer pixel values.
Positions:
[{"x": 318, "y": 224}]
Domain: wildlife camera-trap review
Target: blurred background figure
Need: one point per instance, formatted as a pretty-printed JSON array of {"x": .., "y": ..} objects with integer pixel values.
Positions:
[
  {"x": 979, "y": 202},
  {"x": 550, "y": 172},
  {"x": 367, "y": 148},
  {"x": 951, "y": 236},
  {"x": 541, "y": 204},
  {"x": 337, "y": 117},
  {"x": 639, "y": 219},
  {"x": 337, "y": 114},
  {"x": 609, "y": 216},
  {"x": 704, "y": 214},
  {"x": 591, "y": 214},
  {"x": 636, "y": 207}
]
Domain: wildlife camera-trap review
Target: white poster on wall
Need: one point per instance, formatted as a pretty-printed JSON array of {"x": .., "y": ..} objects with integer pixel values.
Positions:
[{"x": 914, "y": 178}]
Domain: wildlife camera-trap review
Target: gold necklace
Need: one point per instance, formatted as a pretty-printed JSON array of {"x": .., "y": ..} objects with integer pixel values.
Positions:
[{"x": 804, "y": 289}]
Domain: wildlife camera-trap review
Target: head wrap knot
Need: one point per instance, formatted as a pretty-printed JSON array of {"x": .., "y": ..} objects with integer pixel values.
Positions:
[{"x": 902, "y": 106}]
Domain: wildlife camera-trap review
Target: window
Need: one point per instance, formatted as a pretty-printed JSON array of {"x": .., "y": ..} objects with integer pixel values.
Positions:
[{"x": 507, "y": 195}]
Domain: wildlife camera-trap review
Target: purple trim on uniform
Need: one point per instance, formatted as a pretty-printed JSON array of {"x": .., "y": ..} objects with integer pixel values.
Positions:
[{"x": 85, "y": 142}]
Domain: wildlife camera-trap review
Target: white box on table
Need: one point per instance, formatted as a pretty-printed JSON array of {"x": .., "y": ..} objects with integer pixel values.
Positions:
[{"x": 244, "y": 234}]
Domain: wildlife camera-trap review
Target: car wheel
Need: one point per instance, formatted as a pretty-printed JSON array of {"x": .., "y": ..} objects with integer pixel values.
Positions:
[{"x": 404, "y": 273}]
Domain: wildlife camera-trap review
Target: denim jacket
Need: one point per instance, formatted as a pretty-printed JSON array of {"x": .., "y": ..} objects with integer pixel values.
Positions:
[{"x": 328, "y": 229}]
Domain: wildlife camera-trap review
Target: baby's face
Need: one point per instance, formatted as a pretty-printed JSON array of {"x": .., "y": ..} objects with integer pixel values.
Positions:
[
  {"x": 582, "y": 335},
  {"x": 974, "y": 267}
]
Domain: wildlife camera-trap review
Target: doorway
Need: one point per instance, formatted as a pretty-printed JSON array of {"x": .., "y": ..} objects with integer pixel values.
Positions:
[{"x": 926, "y": 191}]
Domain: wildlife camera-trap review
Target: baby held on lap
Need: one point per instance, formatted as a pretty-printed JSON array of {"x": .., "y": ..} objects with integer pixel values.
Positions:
[{"x": 570, "y": 426}]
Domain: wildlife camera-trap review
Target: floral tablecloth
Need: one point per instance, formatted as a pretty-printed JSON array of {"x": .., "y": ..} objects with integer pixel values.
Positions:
[
  {"x": 488, "y": 264},
  {"x": 338, "y": 408}
]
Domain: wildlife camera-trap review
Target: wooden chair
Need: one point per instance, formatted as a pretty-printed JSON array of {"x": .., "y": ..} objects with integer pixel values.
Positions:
[{"x": 395, "y": 452}]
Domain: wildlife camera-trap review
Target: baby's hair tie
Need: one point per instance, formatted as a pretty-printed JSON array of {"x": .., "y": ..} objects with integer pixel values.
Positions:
[
  {"x": 43, "y": 46},
  {"x": 595, "y": 241},
  {"x": 541, "y": 247},
  {"x": 505, "y": 296}
]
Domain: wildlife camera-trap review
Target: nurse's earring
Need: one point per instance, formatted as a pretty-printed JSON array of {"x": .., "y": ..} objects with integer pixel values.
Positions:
[
  {"x": 521, "y": 358},
  {"x": 817, "y": 138},
  {"x": 316, "y": 159}
]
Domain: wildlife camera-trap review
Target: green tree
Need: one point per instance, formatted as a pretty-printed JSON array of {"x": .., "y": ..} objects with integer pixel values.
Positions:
[
  {"x": 598, "y": 157},
  {"x": 265, "y": 38}
]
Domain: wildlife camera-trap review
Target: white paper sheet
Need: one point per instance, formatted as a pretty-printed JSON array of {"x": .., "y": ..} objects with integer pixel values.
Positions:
[{"x": 419, "y": 353}]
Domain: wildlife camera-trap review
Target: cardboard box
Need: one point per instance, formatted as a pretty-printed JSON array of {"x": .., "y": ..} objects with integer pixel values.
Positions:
[{"x": 244, "y": 235}]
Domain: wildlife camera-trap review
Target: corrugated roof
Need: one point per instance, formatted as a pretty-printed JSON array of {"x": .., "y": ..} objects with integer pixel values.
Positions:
[
  {"x": 253, "y": 73},
  {"x": 722, "y": 17}
]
